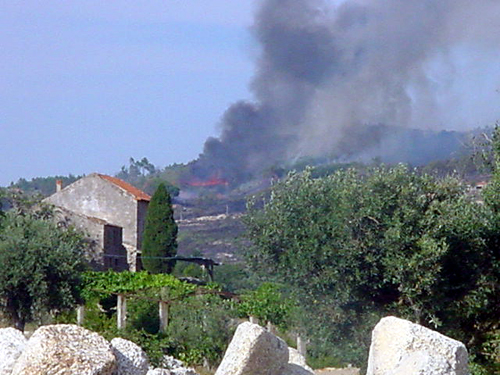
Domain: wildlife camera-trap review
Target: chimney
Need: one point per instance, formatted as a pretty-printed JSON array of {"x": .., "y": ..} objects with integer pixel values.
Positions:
[{"x": 58, "y": 185}]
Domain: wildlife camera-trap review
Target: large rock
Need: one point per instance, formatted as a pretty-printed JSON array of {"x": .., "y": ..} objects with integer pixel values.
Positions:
[
  {"x": 130, "y": 358},
  {"x": 65, "y": 349},
  {"x": 254, "y": 351},
  {"x": 12, "y": 343},
  {"x": 400, "y": 347}
]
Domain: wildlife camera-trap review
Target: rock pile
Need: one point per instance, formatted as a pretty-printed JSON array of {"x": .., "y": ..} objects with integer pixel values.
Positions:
[
  {"x": 67, "y": 349},
  {"x": 398, "y": 347}
]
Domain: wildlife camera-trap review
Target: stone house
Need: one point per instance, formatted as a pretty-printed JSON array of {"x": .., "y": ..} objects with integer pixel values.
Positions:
[{"x": 111, "y": 212}]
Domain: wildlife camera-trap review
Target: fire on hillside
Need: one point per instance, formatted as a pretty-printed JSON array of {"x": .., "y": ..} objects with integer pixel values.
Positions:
[{"x": 212, "y": 181}]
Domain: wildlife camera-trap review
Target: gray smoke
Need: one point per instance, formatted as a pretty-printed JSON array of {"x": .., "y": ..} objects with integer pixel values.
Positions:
[{"x": 329, "y": 71}]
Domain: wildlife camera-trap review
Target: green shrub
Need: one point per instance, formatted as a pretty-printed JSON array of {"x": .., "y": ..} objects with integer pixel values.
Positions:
[
  {"x": 268, "y": 304},
  {"x": 143, "y": 315},
  {"x": 201, "y": 328}
]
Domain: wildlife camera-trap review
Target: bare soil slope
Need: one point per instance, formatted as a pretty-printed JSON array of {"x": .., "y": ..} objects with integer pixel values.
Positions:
[{"x": 217, "y": 237}]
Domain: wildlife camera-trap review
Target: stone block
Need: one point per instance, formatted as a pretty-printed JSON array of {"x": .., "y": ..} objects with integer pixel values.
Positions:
[
  {"x": 65, "y": 349},
  {"x": 400, "y": 347},
  {"x": 254, "y": 351}
]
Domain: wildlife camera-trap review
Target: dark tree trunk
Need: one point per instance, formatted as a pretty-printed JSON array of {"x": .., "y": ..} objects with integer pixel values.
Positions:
[
  {"x": 19, "y": 324},
  {"x": 13, "y": 315}
]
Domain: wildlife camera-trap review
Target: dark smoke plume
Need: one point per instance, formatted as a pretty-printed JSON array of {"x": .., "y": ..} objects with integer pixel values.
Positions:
[{"x": 330, "y": 71}]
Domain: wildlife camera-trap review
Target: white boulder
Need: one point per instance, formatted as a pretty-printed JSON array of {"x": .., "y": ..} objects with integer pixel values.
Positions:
[
  {"x": 12, "y": 343},
  {"x": 65, "y": 349},
  {"x": 254, "y": 351},
  {"x": 400, "y": 347},
  {"x": 130, "y": 358}
]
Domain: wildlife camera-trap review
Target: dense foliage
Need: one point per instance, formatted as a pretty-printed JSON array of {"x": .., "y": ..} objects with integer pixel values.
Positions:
[
  {"x": 267, "y": 303},
  {"x": 101, "y": 284},
  {"x": 160, "y": 233},
  {"x": 356, "y": 246},
  {"x": 40, "y": 266},
  {"x": 199, "y": 327}
]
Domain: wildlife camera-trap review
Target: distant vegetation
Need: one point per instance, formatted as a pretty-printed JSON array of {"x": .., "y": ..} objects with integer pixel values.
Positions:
[
  {"x": 145, "y": 176},
  {"x": 44, "y": 186}
]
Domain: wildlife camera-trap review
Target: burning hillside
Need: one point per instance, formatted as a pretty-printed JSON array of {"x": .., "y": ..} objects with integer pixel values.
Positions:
[
  {"x": 329, "y": 70},
  {"x": 210, "y": 182}
]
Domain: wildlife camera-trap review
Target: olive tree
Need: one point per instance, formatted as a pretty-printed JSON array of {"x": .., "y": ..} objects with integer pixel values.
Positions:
[
  {"x": 355, "y": 246},
  {"x": 40, "y": 267}
]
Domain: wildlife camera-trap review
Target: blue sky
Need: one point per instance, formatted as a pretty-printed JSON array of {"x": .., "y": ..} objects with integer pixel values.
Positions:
[{"x": 87, "y": 84}]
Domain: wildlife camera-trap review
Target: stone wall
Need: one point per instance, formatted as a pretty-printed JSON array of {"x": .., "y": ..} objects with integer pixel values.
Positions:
[
  {"x": 93, "y": 198},
  {"x": 142, "y": 208},
  {"x": 93, "y": 229}
]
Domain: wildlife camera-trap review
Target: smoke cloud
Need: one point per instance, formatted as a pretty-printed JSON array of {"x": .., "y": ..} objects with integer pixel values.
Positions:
[{"x": 330, "y": 72}]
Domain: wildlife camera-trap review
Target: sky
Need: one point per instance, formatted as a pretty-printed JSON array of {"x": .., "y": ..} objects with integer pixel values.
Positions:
[
  {"x": 85, "y": 85},
  {"x": 88, "y": 84}
]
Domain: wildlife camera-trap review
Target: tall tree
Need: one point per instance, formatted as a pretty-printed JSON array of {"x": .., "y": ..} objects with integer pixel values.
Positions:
[{"x": 160, "y": 233}]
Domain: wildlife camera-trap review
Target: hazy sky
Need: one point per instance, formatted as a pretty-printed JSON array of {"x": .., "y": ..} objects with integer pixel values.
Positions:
[{"x": 87, "y": 84}]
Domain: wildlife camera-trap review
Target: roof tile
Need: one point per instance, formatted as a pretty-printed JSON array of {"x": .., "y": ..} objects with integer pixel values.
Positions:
[{"x": 137, "y": 193}]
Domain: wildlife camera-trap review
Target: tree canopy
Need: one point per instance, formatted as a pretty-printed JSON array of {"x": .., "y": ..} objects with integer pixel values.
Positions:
[
  {"x": 160, "y": 233},
  {"x": 43, "y": 185},
  {"x": 41, "y": 265},
  {"x": 268, "y": 304},
  {"x": 355, "y": 246},
  {"x": 145, "y": 176}
]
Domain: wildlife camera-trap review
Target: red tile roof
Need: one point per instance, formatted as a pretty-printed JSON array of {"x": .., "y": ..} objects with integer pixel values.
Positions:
[{"x": 137, "y": 193}]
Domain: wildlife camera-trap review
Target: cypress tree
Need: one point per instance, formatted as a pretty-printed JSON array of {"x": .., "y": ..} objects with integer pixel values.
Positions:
[{"x": 160, "y": 233}]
